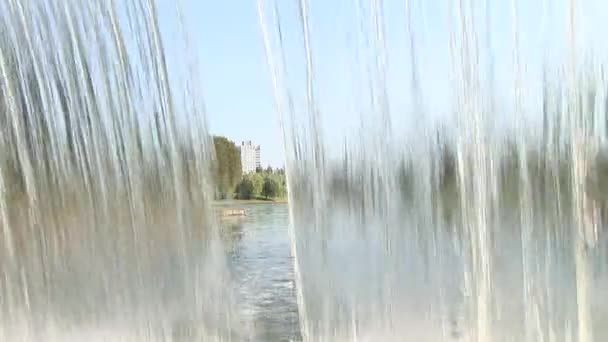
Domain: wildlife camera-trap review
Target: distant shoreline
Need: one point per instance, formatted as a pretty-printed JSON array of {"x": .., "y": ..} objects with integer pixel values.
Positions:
[{"x": 250, "y": 201}]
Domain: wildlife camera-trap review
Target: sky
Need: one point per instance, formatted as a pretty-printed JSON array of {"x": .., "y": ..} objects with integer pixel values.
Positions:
[
  {"x": 236, "y": 81},
  {"x": 236, "y": 84}
]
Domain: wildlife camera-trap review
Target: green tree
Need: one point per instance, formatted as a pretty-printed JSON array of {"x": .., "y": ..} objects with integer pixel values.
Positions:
[
  {"x": 245, "y": 189},
  {"x": 258, "y": 181},
  {"x": 270, "y": 188},
  {"x": 262, "y": 184},
  {"x": 227, "y": 168}
]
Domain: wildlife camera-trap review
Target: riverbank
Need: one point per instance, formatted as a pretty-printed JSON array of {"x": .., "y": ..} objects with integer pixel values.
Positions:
[{"x": 249, "y": 201}]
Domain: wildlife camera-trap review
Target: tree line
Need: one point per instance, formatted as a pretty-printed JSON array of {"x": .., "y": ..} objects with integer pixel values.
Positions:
[
  {"x": 230, "y": 182},
  {"x": 262, "y": 184}
]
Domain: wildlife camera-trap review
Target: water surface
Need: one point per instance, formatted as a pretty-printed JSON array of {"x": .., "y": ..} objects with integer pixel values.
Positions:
[{"x": 262, "y": 267}]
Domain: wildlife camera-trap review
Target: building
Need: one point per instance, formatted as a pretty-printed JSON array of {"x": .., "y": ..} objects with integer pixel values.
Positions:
[{"x": 250, "y": 156}]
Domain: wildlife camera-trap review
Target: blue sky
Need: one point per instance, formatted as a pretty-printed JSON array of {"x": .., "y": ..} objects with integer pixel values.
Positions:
[
  {"x": 236, "y": 81},
  {"x": 236, "y": 84}
]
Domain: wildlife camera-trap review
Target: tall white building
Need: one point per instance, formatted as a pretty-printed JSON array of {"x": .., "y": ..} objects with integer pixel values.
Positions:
[{"x": 250, "y": 156}]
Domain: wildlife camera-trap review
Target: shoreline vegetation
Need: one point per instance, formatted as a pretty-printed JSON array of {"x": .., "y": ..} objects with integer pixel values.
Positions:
[
  {"x": 261, "y": 186},
  {"x": 225, "y": 202}
]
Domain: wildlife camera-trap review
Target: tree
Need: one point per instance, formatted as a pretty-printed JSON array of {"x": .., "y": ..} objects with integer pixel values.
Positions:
[
  {"x": 270, "y": 188},
  {"x": 227, "y": 168},
  {"x": 257, "y": 179},
  {"x": 259, "y": 169},
  {"x": 269, "y": 169},
  {"x": 245, "y": 189}
]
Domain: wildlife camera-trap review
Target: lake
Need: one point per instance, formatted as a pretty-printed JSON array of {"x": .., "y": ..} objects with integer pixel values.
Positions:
[{"x": 261, "y": 265}]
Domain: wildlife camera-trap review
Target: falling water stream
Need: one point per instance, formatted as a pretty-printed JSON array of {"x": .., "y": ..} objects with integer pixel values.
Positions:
[
  {"x": 446, "y": 164},
  {"x": 465, "y": 199},
  {"x": 104, "y": 154}
]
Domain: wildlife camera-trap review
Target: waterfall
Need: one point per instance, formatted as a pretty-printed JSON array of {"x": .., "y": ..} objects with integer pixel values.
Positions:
[
  {"x": 465, "y": 200},
  {"x": 104, "y": 181}
]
